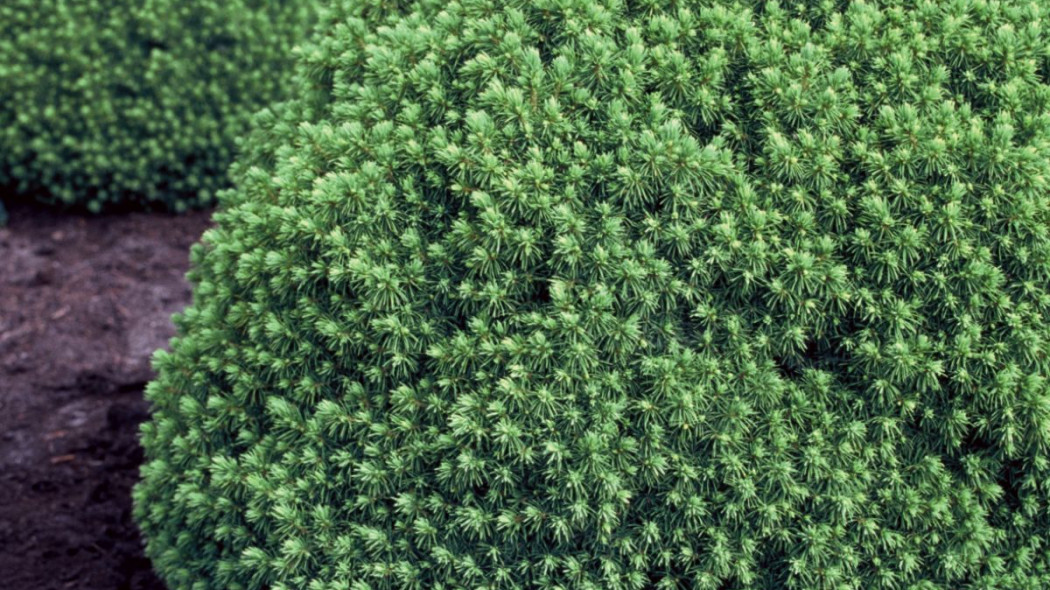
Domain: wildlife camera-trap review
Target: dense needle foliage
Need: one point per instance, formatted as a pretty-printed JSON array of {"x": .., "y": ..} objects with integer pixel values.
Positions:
[
  {"x": 137, "y": 102},
  {"x": 609, "y": 295}
]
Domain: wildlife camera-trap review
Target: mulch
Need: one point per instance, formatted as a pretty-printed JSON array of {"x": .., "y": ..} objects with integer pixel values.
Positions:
[{"x": 84, "y": 302}]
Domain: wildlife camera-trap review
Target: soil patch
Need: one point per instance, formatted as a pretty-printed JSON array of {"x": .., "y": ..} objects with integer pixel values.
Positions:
[{"x": 84, "y": 302}]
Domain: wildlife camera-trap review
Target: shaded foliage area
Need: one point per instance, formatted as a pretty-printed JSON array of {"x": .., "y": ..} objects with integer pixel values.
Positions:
[{"x": 105, "y": 103}]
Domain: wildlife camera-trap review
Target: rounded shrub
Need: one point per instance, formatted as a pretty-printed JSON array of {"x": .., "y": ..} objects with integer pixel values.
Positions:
[
  {"x": 606, "y": 294},
  {"x": 136, "y": 102}
]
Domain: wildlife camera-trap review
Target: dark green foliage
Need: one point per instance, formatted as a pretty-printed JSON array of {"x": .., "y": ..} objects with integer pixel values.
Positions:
[
  {"x": 136, "y": 102},
  {"x": 595, "y": 294}
]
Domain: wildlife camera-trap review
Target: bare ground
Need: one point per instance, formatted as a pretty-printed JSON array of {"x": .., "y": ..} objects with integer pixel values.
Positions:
[{"x": 84, "y": 302}]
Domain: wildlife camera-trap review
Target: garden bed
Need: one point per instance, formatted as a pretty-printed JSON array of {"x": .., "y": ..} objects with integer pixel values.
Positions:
[{"x": 84, "y": 301}]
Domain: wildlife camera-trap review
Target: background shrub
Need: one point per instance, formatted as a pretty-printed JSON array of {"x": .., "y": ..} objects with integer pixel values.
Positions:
[
  {"x": 136, "y": 102},
  {"x": 577, "y": 294}
]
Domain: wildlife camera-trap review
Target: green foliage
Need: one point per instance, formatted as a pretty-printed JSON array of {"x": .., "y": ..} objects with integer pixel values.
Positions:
[
  {"x": 136, "y": 102},
  {"x": 607, "y": 294}
]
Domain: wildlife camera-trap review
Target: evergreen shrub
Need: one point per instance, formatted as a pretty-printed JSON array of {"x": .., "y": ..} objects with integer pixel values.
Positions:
[
  {"x": 607, "y": 294},
  {"x": 136, "y": 102}
]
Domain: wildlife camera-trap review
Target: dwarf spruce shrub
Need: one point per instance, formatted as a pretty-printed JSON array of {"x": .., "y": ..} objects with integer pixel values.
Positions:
[
  {"x": 625, "y": 295},
  {"x": 135, "y": 102}
]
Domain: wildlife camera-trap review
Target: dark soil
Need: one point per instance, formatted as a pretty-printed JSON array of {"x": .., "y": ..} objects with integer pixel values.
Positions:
[{"x": 84, "y": 302}]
